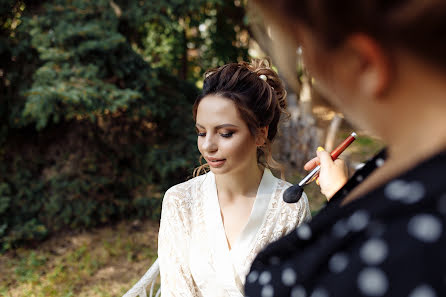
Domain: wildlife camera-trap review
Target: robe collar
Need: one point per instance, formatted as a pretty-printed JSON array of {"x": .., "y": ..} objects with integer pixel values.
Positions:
[{"x": 229, "y": 262}]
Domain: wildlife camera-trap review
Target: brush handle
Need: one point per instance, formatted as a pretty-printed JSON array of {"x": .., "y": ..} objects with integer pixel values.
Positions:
[
  {"x": 310, "y": 175},
  {"x": 334, "y": 155},
  {"x": 340, "y": 148},
  {"x": 293, "y": 193}
]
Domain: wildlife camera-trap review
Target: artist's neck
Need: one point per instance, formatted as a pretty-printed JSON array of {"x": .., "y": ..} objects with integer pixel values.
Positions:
[
  {"x": 412, "y": 132},
  {"x": 417, "y": 130}
]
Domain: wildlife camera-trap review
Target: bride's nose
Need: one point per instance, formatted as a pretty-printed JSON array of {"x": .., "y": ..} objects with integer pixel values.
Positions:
[{"x": 209, "y": 144}]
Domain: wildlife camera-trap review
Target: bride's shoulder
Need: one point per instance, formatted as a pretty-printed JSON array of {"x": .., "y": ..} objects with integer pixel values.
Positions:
[
  {"x": 184, "y": 192},
  {"x": 282, "y": 185}
]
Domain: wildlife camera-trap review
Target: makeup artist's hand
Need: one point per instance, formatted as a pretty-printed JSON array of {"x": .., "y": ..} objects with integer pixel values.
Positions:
[{"x": 333, "y": 174}]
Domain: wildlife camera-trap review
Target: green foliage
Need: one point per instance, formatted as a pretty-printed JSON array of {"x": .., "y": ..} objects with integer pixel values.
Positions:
[
  {"x": 95, "y": 121},
  {"x": 188, "y": 37}
]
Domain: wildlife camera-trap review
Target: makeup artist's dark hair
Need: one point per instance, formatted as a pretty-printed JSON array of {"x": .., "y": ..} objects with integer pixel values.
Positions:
[
  {"x": 260, "y": 102},
  {"x": 417, "y": 26}
]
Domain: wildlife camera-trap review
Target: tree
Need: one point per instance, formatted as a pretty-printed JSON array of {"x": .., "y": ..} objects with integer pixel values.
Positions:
[{"x": 96, "y": 122}]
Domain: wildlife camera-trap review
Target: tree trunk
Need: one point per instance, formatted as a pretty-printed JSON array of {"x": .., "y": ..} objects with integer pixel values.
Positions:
[{"x": 299, "y": 135}]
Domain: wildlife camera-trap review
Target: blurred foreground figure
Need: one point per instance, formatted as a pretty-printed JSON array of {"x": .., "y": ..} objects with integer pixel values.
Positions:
[{"x": 383, "y": 64}]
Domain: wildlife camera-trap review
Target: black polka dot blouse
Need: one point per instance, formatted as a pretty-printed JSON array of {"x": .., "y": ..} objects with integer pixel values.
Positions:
[{"x": 390, "y": 242}]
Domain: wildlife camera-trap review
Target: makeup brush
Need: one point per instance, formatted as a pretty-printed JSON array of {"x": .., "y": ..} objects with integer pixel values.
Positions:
[{"x": 293, "y": 193}]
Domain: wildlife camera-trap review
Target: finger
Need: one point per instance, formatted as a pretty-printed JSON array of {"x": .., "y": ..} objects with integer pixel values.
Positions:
[
  {"x": 324, "y": 157},
  {"x": 311, "y": 164}
]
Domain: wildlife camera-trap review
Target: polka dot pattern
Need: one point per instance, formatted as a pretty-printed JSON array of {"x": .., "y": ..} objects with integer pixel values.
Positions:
[
  {"x": 374, "y": 251},
  {"x": 379, "y": 162},
  {"x": 356, "y": 246},
  {"x": 288, "y": 277},
  {"x": 265, "y": 277},
  {"x": 405, "y": 192},
  {"x": 320, "y": 292},
  {"x": 423, "y": 291},
  {"x": 359, "y": 166},
  {"x": 267, "y": 291},
  {"x": 298, "y": 291},
  {"x": 340, "y": 228},
  {"x": 338, "y": 262},
  {"x": 304, "y": 232},
  {"x": 358, "y": 220},
  {"x": 425, "y": 227},
  {"x": 252, "y": 276},
  {"x": 372, "y": 282}
]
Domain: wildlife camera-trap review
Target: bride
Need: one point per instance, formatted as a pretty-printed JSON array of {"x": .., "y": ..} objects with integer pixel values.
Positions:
[{"x": 213, "y": 225}]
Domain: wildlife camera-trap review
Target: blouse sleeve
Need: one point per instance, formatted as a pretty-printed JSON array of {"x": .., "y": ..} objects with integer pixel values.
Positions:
[
  {"x": 173, "y": 247},
  {"x": 291, "y": 216}
]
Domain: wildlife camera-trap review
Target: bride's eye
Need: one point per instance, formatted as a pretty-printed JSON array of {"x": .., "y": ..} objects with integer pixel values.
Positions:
[
  {"x": 200, "y": 133},
  {"x": 227, "y": 135}
]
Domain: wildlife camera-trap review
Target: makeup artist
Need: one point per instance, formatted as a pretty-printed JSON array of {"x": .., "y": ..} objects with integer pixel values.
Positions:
[{"x": 383, "y": 64}]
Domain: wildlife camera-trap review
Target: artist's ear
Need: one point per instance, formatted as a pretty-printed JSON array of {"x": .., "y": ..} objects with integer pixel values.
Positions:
[
  {"x": 261, "y": 135},
  {"x": 372, "y": 70}
]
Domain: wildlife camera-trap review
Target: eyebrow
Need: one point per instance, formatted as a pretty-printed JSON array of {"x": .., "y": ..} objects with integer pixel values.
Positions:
[{"x": 219, "y": 126}]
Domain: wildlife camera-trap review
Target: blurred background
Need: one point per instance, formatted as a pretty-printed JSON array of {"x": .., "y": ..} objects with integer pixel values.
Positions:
[{"x": 96, "y": 123}]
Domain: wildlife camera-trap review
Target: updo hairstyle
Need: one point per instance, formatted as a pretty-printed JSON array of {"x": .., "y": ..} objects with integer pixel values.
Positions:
[{"x": 259, "y": 95}]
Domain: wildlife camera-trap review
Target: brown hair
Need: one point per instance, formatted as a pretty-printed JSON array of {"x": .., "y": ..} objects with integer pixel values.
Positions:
[
  {"x": 260, "y": 102},
  {"x": 418, "y": 26}
]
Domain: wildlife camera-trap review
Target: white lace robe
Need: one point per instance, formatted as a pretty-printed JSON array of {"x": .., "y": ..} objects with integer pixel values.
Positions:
[{"x": 193, "y": 252}]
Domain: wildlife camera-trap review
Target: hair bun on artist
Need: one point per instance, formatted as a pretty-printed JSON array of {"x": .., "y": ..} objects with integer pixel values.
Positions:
[{"x": 257, "y": 92}]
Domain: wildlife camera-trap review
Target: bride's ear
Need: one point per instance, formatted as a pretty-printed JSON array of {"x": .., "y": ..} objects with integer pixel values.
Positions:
[{"x": 261, "y": 136}]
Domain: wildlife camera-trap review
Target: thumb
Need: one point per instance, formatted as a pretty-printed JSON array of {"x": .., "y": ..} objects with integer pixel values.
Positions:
[{"x": 324, "y": 157}]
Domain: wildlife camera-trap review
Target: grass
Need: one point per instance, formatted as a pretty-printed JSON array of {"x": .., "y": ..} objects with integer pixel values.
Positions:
[{"x": 103, "y": 262}]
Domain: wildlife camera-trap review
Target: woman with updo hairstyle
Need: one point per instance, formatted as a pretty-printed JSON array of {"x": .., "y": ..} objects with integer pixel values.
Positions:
[
  {"x": 213, "y": 225},
  {"x": 383, "y": 233}
]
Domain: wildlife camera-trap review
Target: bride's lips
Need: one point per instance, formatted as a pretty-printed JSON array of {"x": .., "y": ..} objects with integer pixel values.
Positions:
[{"x": 215, "y": 162}]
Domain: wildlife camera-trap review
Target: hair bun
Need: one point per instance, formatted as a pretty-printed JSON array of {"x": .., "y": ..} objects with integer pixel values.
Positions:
[{"x": 263, "y": 67}]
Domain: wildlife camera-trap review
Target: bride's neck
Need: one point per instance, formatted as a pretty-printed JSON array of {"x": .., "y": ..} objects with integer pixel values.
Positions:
[{"x": 243, "y": 183}]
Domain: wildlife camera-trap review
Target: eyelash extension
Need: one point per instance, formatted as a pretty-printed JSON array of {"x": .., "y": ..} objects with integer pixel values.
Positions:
[{"x": 227, "y": 135}]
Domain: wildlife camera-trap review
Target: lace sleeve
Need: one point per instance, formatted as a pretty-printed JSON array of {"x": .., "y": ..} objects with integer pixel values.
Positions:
[
  {"x": 295, "y": 214},
  {"x": 304, "y": 210},
  {"x": 173, "y": 247}
]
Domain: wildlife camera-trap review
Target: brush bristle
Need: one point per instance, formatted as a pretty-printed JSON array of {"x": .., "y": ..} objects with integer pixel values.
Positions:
[{"x": 292, "y": 194}]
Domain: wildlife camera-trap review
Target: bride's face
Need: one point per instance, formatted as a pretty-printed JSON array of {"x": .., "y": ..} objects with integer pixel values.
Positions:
[{"x": 224, "y": 139}]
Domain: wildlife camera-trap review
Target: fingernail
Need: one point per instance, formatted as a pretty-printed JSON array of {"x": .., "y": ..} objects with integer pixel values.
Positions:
[{"x": 320, "y": 149}]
